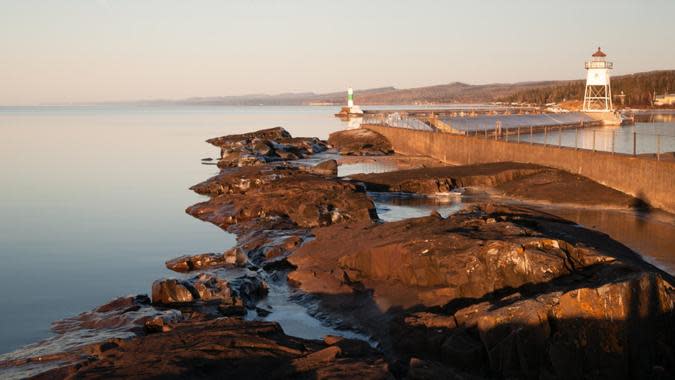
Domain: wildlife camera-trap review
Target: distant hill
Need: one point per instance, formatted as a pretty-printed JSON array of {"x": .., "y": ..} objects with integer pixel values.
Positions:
[{"x": 639, "y": 89}]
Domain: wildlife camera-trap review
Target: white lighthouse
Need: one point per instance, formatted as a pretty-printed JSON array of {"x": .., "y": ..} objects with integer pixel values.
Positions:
[
  {"x": 598, "y": 95},
  {"x": 351, "y": 108}
]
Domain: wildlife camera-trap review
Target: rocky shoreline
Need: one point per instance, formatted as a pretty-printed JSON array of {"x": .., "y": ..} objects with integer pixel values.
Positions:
[{"x": 494, "y": 290}]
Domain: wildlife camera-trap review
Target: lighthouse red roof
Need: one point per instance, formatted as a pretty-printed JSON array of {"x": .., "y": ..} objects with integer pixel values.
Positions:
[{"x": 599, "y": 53}]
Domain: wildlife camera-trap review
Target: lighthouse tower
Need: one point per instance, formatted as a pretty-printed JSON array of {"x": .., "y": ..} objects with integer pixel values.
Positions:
[
  {"x": 352, "y": 109},
  {"x": 598, "y": 95}
]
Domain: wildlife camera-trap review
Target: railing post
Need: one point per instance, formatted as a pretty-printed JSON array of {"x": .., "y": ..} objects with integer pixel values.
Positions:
[
  {"x": 613, "y": 142},
  {"x": 658, "y": 147},
  {"x": 518, "y": 139},
  {"x": 594, "y": 140},
  {"x": 531, "y": 135},
  {"x": 634, "y": 143},
  {"x": 559, "y": 136},
  {"x": 576, "y": 138},
  {"x": 486, "y": 131},
  {"x": 545, "y": 136}
]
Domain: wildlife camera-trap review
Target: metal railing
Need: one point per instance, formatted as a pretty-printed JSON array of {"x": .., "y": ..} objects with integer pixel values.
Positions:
[{"x": 626, "y": 140}]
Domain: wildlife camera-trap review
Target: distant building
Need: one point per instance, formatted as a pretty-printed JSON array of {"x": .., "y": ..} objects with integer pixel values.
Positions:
[{"x": 664, "y": 100}]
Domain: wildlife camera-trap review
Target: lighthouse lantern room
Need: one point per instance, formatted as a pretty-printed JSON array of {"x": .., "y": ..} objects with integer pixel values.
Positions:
[{"x": 598, "y": 94}]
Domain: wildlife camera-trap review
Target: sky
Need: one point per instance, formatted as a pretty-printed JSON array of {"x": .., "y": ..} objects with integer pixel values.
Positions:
[{"x": 108, "y": 50}]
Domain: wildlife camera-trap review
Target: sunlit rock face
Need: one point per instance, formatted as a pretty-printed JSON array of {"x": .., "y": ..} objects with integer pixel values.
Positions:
[
  {"x": 498, "y": 290},
  {"x": 360, "y": 142}
]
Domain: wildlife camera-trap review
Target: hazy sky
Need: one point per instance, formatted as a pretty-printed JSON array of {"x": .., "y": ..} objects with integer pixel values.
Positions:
[{"x": 96, "y": 50}]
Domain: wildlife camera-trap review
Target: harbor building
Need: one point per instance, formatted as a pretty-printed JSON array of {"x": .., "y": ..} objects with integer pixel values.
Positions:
[{"x": 664, "y": 100}]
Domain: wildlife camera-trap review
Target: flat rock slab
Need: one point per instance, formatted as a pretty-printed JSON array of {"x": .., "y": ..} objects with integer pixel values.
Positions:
[{"x": 517, "y": 180}]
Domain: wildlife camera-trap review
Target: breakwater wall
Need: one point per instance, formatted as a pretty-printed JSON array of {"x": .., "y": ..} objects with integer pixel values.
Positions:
[{"x": 649, "y": 180}]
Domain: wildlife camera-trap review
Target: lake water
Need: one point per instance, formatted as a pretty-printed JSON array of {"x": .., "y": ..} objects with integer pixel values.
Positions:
[
  {"x": 92, "y": 200},
  {"x": 650, "y": 137}
]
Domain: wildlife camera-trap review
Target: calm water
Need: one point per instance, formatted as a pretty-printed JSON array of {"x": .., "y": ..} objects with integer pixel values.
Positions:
[
  {"x": 650, "y": 137},
  {"x": 92, "y": 201}
]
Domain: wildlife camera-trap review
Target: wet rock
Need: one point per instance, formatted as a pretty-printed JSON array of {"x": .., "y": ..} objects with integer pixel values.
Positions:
[
  {"x": 211, "y": 288},
  {"x": 196, "y": 262},
  {"x": 360, "y": 142},
  {"x": 269, "y": 247},
  {"x": 170, "y": 291},
  {"x": 447, "y": 178},
  {"x": 264, "y": 146},
  {"x": 208, "y": 349},
  {"x": 156, "y": 325},
  {"x": 232, "y": 257},
  {"x": 308, "y": 201},
  {"x": 236, "y": 310},
  {"x": 203, "y": 287},
  {"x": 119, "y": 315},
  {"x": 250, "y": 288},
  {"x": 327, "y": 168}
]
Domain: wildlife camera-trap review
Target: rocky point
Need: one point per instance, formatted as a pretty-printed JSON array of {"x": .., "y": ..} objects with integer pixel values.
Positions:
[{"x": 493, "y": 291}]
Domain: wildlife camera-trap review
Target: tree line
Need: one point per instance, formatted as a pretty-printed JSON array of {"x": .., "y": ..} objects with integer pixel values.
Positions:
[{"x": 638, "y": 90}]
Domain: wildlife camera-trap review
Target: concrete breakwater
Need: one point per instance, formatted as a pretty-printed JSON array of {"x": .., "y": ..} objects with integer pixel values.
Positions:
[{"x": 649, "y": 180}]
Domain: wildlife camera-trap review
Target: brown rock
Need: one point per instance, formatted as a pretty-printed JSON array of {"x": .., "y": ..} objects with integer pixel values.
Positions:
[
  {"x": 360, "y": 142},
  {"x": 212, "y": 349},
  {"x": 169, "y": 291},
  {"x": 327, "y": 168},
  {"x": 203, "y": 287},
  {"x": 308, "y": 201},
  {"x": 264, "y": 146},
  {"x": 204, "y": 260}
]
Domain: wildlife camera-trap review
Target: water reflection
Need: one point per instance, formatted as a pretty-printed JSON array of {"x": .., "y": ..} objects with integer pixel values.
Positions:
[
  {"x": 649, "y": 138},
  {"x": 650, "y": 234},
  {"x": 392, "y": 207}
]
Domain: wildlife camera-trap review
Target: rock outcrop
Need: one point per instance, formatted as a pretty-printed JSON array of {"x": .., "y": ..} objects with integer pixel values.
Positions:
[
  {"x": 498, "y": 291},
  {"x": 270, "y": 192},
  {"x": 203, "y": 287},
  {"x": 264, "y": 146},
  {"x": 360, "y": 142}
]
